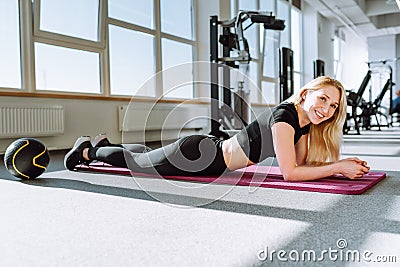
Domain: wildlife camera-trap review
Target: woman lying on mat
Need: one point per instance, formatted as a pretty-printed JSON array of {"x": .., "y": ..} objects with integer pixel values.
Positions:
[{"x": 303, "y": 132}]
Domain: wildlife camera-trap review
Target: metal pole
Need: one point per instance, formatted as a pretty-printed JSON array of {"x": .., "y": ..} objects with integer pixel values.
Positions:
[{"x": 214, "y": 75}]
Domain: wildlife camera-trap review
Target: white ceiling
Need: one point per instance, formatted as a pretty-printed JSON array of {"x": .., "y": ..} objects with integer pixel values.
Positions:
[{"x": 367, "y": 18}]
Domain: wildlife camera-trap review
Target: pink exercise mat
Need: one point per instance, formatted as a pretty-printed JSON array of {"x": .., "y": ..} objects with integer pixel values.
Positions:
[{"x": 262, "y": 176}]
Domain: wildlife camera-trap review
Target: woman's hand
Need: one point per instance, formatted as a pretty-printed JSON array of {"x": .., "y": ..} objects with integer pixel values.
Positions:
[{"x": 353, "y": 168}]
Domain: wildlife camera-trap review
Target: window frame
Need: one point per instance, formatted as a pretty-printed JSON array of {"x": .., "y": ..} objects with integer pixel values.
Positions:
[
  {"x": 162, "y": 35},
  {"x": 301, "y": 59},
  {"x": 30, "y": 33},
  {"x": 58, "y": 39},
  {"x": 51, "y": 38},
  {"x": 134, "y": 28},
  {"x": 338, "y": 61},
  {"x": 158, "y": 36}
]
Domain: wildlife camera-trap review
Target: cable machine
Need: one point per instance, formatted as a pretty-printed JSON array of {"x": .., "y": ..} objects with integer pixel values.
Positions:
[
  {"x": 319, "y": 68},
  {"x": 379, "y": 76},
  {"x": 384, "y": 73},
  {"x": 236, "y": 115},
  {"x": 286, "y": 82}
]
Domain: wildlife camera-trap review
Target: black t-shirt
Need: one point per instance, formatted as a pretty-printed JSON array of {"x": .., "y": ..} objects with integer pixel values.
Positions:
[{"x": 256, "y": 139}]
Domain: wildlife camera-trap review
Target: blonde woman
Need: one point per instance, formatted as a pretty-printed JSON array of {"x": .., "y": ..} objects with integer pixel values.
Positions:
[{"x": 304, "y": 133}]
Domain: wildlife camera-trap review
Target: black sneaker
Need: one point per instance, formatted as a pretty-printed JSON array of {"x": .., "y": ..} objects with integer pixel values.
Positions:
[
  {"x": 74, "y": 157},
  {"x": 101, "y": 140}
]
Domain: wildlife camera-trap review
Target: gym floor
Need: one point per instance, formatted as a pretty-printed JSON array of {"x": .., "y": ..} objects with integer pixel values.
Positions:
[{"x": 68, "y": 218}]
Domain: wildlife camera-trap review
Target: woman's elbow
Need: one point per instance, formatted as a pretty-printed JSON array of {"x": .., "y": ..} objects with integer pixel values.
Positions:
[{"x": 289, "y": 176}]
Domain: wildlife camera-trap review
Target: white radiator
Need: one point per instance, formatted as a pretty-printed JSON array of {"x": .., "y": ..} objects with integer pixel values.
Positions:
[{"x": 31, "y": 121}]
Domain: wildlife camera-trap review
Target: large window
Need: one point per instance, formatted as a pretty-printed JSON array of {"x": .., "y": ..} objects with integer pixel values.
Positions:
[
  {"x": 142, "y": 45},
  {"x": 112, "y": 47},
  {"x": 103, "y": 47},
  {"x": 9, "y": 45},
  {"x": 68, "y": 45}
]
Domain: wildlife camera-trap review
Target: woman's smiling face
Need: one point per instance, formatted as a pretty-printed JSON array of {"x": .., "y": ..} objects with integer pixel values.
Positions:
[{"x": 321, "y": 104}]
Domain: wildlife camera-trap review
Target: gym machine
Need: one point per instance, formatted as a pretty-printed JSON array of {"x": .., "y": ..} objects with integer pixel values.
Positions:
[
  {"x": 286, "y": 81},
  {"x": 354, "y": 100},
  {"x": 319, "y": 68},
  {"x": 233, "y": 113},
  {"x": 373, "y": 108},
  {"x": 369, "y": 108}
]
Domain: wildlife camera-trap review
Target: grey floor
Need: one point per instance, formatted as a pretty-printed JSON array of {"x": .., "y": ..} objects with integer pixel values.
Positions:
[{"x": 80, "y": 219}]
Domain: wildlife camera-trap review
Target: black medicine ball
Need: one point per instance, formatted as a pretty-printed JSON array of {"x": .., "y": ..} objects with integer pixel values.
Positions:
[{"x": 26, "y": 158}]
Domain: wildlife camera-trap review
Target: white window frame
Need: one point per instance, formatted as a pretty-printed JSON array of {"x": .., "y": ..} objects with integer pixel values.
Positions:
[
  {"x": 30, "y": 33},
  {"x": 100, "y": 47},
  {"x": 70, "y": 41},
  {"x": 339, "y": 60},
  {"x": 158, "y": 36},
  {"x": 300, "y": 71}
]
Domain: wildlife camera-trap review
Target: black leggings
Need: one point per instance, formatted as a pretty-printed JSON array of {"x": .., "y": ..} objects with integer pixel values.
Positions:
[{"x": 188, "y": 156}]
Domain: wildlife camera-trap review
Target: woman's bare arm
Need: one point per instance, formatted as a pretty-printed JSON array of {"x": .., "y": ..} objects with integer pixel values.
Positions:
[
  {"x": 286, "y": 155},
  {"x": 301, "y": 150}
]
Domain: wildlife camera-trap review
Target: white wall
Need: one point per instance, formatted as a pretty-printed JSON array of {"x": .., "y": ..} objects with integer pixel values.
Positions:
[
  {"x": 318, "y": 35},
  {"x": 310, "y": 46},
  {"x": 325, "y": 43},
  {"x": 382, "y": 48},
  {"x": 355, "y": 56},
  {"x": 355, "y": 52}
]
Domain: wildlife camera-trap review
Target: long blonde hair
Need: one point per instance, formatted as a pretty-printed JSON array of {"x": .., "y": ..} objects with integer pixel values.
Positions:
[{"x": 325, "y": 139}]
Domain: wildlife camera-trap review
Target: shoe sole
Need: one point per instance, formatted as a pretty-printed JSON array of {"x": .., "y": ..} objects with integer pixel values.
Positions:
[{"x": 73, "y": 149}]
